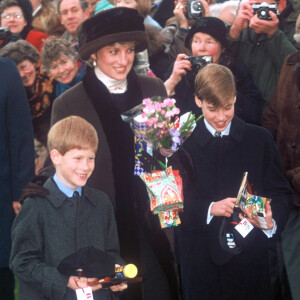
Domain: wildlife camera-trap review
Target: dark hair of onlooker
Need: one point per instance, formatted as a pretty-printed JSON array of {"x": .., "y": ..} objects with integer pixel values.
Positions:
[
  {"x": 19, "y": 51},
  {"x": 83, "y": 4}
]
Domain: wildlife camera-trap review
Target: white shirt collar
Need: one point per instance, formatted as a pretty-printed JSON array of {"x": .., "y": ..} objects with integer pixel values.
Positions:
[
  {"x": 213, "y": 131},
  {"x": 114, "y": 86}
]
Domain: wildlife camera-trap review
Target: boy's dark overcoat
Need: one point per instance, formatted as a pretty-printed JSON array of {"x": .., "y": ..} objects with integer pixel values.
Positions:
[
  {"x": 219, "y": 165},
  {"x": 49, "y": 229}
]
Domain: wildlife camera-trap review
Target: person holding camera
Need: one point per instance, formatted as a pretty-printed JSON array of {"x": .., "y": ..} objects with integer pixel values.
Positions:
[
  {"x": 176, "y": 30},
  {"x": 260, "y": 44},
  {"x": 207, "y": 39}
]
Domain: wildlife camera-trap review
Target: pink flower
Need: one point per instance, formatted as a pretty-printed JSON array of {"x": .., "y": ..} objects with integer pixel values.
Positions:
[
  {"x": 147, "y": 101},
  {"x": 175, "y": 111},
  {"x": 157, "y": 106},
  {"x": 169, "y": 102},
  {"x": 162, "y": 111}
]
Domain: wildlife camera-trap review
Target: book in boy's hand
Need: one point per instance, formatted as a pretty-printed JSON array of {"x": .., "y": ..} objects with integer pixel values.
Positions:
[{"x": 251, "y": 204}]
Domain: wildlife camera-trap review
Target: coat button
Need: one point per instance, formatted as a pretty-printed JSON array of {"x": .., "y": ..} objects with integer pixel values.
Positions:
[
  {"x": 70, "y": 203},
  {"x": 293, "y": 145}
]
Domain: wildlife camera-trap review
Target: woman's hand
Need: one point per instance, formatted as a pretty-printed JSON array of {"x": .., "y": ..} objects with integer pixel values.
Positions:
[
  {"x": 223, "y": 207},
  {"x": 180, "y": 68}
]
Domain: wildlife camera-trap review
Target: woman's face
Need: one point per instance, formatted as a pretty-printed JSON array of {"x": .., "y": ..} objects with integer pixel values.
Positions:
[
  {"x": 27, "y": 72},
  {"x": 13, "y": 18},
  {"x": 63, "y": 69},
  {"x": 204, "y": 44},
  {"x": 126, "y": 3},
  {"x": 115, "y": 60}
]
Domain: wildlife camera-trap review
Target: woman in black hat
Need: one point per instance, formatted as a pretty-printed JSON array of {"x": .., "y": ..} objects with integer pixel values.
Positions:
[
  {"x": 110, "y": 87},
  {"x": 208, "y": 37}
]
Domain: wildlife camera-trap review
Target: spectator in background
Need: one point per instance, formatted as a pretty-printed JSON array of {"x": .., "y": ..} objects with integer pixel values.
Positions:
[
  {"x": 282, "y": 118},
  {"x": 208, "y": 37},
  {"x": 17, "y": 161},
  {"x": 72, "y": 13},
  {"x": 261, "y": 46},
  {"x": 61, "y": 62},
  {"x": 45, "y": 17},
  {"x": 39, "y": 89},
  {"x": 177, "y": 28},
  {"x": 17, "y": 15}
]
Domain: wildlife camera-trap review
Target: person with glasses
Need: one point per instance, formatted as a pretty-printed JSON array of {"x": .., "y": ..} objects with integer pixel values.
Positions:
[{"x": 17, "y": 16}]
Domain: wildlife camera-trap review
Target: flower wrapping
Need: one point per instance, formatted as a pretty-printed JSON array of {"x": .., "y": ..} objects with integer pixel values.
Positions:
[{"x": 165, "y": 194}]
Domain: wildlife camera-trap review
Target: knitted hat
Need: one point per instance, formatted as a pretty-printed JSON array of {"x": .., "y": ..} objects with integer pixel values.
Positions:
[
  {"x": 19, "y": 51},
  {"x": 209, "y": 25},
  {"x": 110, "y": 26},
  {"x": 297, "y": 30}
]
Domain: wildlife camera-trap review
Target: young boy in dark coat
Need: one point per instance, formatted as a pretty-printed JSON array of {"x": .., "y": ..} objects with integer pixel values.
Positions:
[
  {"x": 209, "y": 271},
  {"x": 49, "y": 229}
]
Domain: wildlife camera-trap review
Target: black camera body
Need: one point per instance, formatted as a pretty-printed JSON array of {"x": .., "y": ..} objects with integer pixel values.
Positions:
[
  {"x": 4, "y": 33},
  {"x": 194, "y": 9},
  {"x": 198, "y": 62},
  {"x": 262, "y": 10}
]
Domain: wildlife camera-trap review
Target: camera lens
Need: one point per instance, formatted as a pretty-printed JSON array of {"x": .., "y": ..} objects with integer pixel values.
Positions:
[{"x": 197, "y": 5}]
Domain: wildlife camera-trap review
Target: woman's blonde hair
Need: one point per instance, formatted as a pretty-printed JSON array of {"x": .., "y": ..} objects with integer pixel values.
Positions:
[
  {"x": 215, "y": 84},
  {"x": 72, "y": 133}
]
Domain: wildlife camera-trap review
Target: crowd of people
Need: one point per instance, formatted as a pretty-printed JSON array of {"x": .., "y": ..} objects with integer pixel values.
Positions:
[{"x": 70, "y": 68}]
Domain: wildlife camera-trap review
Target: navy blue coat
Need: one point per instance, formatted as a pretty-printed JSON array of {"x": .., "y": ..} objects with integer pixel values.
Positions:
[
  {"x": 219, "y": 166},
  {"x": 16, "y": 149}
]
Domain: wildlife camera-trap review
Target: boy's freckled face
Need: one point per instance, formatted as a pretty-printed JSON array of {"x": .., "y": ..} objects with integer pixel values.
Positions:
[
  {"x": 218, "y": 117},
  {"x": 75, "y": 167}
]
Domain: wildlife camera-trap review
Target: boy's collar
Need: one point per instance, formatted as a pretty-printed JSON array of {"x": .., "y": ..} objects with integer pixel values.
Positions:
[
  {"x": 213, "y": 131},
  {"x": 66, "y": 189}
]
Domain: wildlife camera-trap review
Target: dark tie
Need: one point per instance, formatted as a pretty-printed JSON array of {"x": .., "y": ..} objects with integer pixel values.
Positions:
[
  {"x": 218, "y": 134},
  {"x": 76, "y": 194}
]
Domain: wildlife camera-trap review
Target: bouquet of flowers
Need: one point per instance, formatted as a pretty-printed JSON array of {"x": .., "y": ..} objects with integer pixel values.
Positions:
[
  {"x": 156, "y": 124},
  {"x": 165, "y": 129}
]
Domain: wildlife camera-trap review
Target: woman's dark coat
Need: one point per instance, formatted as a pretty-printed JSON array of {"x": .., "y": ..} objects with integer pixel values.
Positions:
[
  {"x": 283, "y": 120},
  {"x": 16, "y": 149},
  {"x": 219, "y": 165},
  {"x": 113, "y": 172}
]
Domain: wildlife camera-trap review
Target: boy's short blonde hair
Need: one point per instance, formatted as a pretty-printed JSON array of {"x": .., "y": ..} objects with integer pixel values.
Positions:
[
  {"x": 215, "y": 84},
  {"x": 72, "y": 133}
]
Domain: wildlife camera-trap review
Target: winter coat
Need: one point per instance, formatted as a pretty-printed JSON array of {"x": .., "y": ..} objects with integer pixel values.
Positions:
[
  {"x": 114, "y": 164},
  {"x": 219, "y": 166},
  {"x": 47, "y": 230},
  {"x": 264, "y": 58},
  {"x": 283, "y": 120},
  {"x": 16, "y": 149}
]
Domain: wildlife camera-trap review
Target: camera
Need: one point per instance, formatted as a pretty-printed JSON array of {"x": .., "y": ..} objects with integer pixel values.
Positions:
[
  {"x": 194, "y": 9},
  {"x": 262, "y": 10},
  {"x": 198, "y": 62},
  {"x": 4, "y": 32}
]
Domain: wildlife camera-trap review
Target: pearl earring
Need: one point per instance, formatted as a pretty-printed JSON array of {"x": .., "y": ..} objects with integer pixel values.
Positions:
[{"x": 94, "y": 63}]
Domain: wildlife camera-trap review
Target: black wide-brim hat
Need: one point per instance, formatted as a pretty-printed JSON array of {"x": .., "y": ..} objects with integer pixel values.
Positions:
[
  {"x": 92, "y": 262},
  {"x": 111, "y": 26},
  {"x": 209, "y": 25}
]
